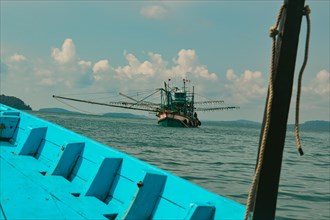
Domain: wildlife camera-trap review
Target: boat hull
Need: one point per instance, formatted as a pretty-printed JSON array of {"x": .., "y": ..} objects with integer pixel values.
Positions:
[
  {"x": 170, "y": 122},
  {"x": 176, "y": 120},
  {"x": 49, "y": 172}
]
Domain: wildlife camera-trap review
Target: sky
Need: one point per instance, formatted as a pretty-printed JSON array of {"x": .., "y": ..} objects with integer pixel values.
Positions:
[{"x": 222, "y": 47}]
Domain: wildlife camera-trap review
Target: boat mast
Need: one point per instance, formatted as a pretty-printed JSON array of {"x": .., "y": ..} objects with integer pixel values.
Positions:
[
  {"x": 285, "y": 58},
  {"x": 168, "y": 95},
  {"x": 184, "y": 85},
  {"x": 192, "y": 101}
]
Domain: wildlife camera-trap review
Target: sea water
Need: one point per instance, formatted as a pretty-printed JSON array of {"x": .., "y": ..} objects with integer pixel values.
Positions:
[{"x": 220, "y": 157}]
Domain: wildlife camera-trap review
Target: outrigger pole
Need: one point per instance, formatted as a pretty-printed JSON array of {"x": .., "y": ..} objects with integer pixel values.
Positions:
[
  {"x": 284, "y": 66},
  {"x": 117, "y": 104}
]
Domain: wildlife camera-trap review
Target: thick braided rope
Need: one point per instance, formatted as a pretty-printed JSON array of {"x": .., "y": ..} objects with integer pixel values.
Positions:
[
  {"x": 306, "y": 12},
  {"x": 273, "y": 33}
]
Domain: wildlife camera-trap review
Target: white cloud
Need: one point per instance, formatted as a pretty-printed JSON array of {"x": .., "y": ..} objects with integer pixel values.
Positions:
[
  {"x": 17, "y": 58},
  {"x": 231, "y": 75},
  {"x": 157, "y": 60},
  {"x": 246, "y": 87},
  {"x": 84, "y": 65},
  {"x": 100, "y": 75},
  {"x": 153, "y": 11},
  {"x": 135, "y": 67},
  {"x": 203, "y": 72},
  {"x": 100, "y": 68},
  {"x": 187, "y": 59},
  {"x": 45, "y": 77},
  {"x": 188, "y": 65},
  {"x": 66, "y": 54},
  {"x": 320, "y": 85}
]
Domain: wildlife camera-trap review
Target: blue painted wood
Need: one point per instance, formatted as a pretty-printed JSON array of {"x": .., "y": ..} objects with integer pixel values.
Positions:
[
  {"x": 30, "y": 144},
  {"x": 168, "y": 210},
  {"x": 68, "y": 157},
  {"x": 69, "y": 176},
  {"x": 57, "y": 188},
  {"x": 83, "y": 171},
  {"x": 146, "y": 197},
  {"x": 48, "y": 152},
  {"x": 101, "y": 183},
  {"x": 8, "y": 124},
  {"x": 2, "y": 214},
  {"x": 122, "y": 190},
  {"x": 200, "y": 211},
  {"x": 23, "y": 198}
]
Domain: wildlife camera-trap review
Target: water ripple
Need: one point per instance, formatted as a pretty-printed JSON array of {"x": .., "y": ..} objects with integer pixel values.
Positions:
[{"x": 219, "y": 157}]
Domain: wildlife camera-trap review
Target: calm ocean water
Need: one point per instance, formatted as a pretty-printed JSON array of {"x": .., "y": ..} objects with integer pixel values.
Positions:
[{"x": 219, "y": 157}]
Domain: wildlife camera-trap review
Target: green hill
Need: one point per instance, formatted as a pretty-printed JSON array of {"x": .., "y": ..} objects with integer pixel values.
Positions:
[
  {"x": 124, "y": 115},
  {"x": 14, "y": 102},
  {"x": 57, "y": 110}
]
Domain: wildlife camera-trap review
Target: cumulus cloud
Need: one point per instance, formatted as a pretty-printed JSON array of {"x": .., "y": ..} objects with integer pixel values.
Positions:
[
  {"x": 67, "y": 52},
  {"x": 84, "y": 77},
  {"x": 187, "y": 65},
  {"x": 17, "y": 58},
  {"x": 203, "y": 72},
  {"x": 45, "y": 76},
  {"x": 135, "y": 67},
  {"x": 245, "y": 87},
  {"x": 320, "y": 85},
  {"x": 84, "y": 65},
  {"x": 153, "y": 12},
  {"x": 187, "y": 59},
  {"x": 157, "y": 60},
  {"x": 100, "y": 68},
  {"x": 100, "y": 75}
]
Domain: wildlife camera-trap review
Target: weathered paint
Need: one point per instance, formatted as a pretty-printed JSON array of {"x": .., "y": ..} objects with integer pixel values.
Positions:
[
  {"x": 64, "y": 175},
  {"x": 168, "y": 122},
  {"x": 170, "y": 119}
]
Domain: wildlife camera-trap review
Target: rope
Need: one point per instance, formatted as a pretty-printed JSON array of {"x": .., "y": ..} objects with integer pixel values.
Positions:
[
  {"x": 273, "y": 33},
  {"x": 306, "y": 12},
  {"x": 80, "y": 110}
]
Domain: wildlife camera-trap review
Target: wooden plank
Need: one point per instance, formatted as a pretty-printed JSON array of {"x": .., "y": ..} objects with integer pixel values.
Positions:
[
  {"x": 100, "y": 185},
  {"x": 267, "y": 189}
]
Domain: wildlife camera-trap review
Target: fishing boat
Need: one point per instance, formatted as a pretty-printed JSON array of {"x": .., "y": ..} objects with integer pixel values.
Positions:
[
  {"x": 49, "y": 172},
  {"x": 177, "y": 107}
]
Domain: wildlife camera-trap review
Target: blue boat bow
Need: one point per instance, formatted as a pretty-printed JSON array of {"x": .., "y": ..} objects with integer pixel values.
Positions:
[{"x": 49, "y": 172}]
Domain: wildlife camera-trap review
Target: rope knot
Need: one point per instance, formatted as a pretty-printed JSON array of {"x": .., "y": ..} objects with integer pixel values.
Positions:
[
  {"x": 306, "y": 10},
  {"x": 273, "y": 32}
]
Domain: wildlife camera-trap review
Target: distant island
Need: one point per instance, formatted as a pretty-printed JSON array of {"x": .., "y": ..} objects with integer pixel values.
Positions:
[
  {"x": 57, "y": 110},
  {"x": 306, "y": 126},
  {"x": 241, "y": 122},
  {"x": 110, "y": 114},
  {"x": 316, "y": 125},
  {"x": 124, "y": 115},
  {"x": 14, "y": 102}
]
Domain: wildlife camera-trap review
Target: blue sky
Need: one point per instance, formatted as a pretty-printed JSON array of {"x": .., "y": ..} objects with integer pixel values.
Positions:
[{"x": 65, "y": 47}]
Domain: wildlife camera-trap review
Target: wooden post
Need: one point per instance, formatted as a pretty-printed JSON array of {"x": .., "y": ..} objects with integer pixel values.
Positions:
[{"x": 285, "y": 58}]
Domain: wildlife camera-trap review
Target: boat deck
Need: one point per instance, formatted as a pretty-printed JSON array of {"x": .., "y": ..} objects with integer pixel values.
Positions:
[
  {"x": 48, "y": 172},
  {"x": 25, "y": 185}
]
